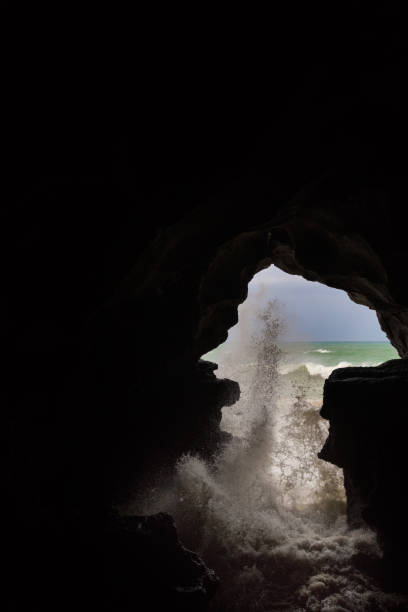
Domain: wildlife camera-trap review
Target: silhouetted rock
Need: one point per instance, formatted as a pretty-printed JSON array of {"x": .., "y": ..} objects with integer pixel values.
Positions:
[
  {"x": 145, "y": 560},
  {"x": 366, "y": 408}
]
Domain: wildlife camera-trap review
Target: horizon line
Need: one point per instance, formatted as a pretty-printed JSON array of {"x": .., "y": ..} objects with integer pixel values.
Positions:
[
  {"x": 332, "y": 341},
  {"x": 328, "y": 341}
]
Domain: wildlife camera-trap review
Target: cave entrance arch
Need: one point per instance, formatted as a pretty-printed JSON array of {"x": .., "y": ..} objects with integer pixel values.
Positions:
[
  {"x": 311, "y": 329},
  {"x": 200, "y": 277},
  {"x": 188, "y": 300},
  {"x": 230, "y": 510}
]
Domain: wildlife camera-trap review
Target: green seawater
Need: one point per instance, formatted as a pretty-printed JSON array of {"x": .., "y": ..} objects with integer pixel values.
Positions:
[
  {"x": 332, "y": 354},
  {"x": 318, "y": 358}
]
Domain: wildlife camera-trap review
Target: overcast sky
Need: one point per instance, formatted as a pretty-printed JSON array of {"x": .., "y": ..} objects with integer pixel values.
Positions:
[{"x": 312, "y": 311}]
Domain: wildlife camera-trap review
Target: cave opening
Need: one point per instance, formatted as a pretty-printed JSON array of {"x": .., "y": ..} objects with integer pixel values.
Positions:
[
  {"x": 291, "y": 334},
  {"x": 267, "y": 513}
]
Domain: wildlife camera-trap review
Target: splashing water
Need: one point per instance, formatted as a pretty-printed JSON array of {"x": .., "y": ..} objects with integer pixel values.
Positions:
[{"x": 268, "y": 515}]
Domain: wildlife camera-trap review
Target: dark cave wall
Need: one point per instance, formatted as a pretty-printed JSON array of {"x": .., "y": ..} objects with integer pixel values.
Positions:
[
  {"x": 129, "y": 239},
  {"x": 113, "y": 391},
  {"x": 193, "y": 283},
  {"x": 130, "y": 396}
]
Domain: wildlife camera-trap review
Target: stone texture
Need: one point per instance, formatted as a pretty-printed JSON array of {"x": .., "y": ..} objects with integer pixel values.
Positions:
[{"x": 366, "y": 408}]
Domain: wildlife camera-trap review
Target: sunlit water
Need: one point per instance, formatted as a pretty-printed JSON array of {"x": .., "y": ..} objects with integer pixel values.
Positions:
[{"x": 267, "y": 514}]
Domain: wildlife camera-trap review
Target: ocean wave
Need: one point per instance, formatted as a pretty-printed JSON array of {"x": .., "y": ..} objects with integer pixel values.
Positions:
[
  {"x": 317, "y": 369},
  {"x": 267, "y": 514},
  {"x": 288, "y": 556},
  {"x": 313, "y": 369},
  {"x": 319, "y": 351}
]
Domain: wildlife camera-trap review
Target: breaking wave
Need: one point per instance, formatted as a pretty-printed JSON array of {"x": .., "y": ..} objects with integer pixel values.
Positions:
[
  {"x": 268, "y": 515},
  {"x": 317, "y": 369},
  {"x": 313, "y": 369}
]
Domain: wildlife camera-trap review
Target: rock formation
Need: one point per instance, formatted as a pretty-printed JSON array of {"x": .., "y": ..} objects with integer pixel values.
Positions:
[
  {"x": 145, "y": 551},
  {"x": 366, "y": 408},
  {"x": 135, "y": 229}
]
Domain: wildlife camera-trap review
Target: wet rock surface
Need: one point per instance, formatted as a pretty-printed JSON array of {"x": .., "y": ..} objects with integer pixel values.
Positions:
[{"x": 367, "y": 411}]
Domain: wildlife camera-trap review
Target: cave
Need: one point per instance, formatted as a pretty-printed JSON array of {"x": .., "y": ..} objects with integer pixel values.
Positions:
[
  {"x": 267, "y": 513},
  {"x": 132, "y": 229}
]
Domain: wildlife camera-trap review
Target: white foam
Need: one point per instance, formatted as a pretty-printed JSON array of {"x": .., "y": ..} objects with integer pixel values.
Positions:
[
  {"x": 313, "y": 368},
  {"x": 271, "y": 552}
]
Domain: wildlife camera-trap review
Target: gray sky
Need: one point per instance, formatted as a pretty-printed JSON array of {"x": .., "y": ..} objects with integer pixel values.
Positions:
[{"x": 312, "y": 311}]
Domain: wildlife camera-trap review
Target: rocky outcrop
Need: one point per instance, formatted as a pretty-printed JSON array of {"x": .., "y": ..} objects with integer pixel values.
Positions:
[
  {"x": 145, "y": 554},
  {"x": 190, "y": 409},
  {"x": 367, "y": 411}
]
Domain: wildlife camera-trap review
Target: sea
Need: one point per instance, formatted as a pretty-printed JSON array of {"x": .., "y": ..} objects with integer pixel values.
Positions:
[
  {"x": 323, "y": 357},
  {"x": 300, "y": 366},
  {"x": 265, "y": 512},
  {"x": 315, "y": 358}
]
